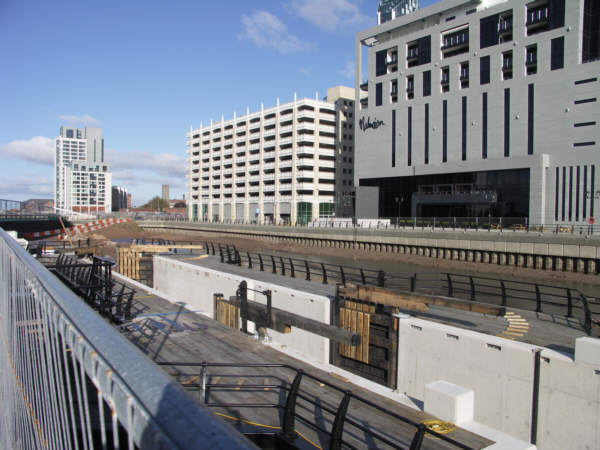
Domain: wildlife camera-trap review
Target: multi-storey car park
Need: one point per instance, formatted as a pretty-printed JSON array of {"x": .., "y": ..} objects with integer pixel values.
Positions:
[
  {"x": 481, "y": 108},
  {"x": 288, "y": 164}
]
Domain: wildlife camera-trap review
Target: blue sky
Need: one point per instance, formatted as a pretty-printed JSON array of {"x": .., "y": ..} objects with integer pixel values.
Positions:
[{"x": 145, "y": 71}]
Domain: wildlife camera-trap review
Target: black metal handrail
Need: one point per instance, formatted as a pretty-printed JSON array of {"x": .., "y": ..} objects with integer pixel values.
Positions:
[
  {"x": 94, "y": 283},
  {"x": 537, "y": 297},
  {"x": 293, "y": 392}
]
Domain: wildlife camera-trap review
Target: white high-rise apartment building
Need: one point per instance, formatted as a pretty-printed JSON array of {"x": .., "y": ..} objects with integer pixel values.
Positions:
[
  {"x": 291, "y": 163},
  {"x": 82, "y": 179}
]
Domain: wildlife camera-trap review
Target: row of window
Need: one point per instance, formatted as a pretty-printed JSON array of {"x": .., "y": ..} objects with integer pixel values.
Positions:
[
  {"x": 256, "y": 121},
  {"x": 556, "y": 62},
  {"x": 494, "y": 29},
  {"x": 464, "y": 120}
]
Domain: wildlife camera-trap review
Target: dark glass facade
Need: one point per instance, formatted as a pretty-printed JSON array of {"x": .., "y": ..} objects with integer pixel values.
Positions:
[{"x": 461, "y": 199}]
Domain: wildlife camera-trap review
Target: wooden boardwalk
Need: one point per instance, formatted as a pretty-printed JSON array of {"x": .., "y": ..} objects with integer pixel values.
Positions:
[{"x": 168, "y": 332}]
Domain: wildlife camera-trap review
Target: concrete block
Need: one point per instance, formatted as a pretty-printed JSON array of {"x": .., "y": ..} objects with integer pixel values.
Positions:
[
  {"x": 571, "y": 250},
  {"x": 540, "y": 249},
  {"x": 449, "y": 402},
  {"x": 555, "y": 249},
  {"x": 526, "y": 247},
  {"x": 587, "y": 350},
  {"x": 586, "y": 251}
]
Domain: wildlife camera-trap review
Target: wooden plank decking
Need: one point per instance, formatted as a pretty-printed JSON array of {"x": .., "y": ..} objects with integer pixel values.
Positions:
[{"x": 168, "y": 332}]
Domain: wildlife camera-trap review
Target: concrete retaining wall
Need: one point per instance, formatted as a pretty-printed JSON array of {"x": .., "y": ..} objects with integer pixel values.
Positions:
[
  {"x": 501, "y": 374},
  {"x": 550, "y": 252},
  {"x": 196, "y": 285}
]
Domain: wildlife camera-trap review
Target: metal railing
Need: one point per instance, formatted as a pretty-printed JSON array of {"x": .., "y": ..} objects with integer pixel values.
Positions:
[
  {"x": 537, "y": 297},
  {"x": 448, "y": 224},
  {"x": 68, "y": 380},
  {"x": 345, "y": 427}
]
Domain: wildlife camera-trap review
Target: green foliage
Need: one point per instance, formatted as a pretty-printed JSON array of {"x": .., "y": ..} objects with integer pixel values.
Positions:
[{"x": 156, "y": 203}]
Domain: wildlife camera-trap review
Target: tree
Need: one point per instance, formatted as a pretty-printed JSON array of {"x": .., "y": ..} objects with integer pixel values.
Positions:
[{"x": 156, "y": 203}]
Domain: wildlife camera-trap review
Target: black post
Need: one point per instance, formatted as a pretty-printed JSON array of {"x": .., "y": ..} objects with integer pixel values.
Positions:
[
  {"x": 362, "y": 276},
  {"x": 249, "y": 260},
  {"x": 238, "y": 258},
  {"x": 381, "y": 278},
  {"x": 418, "y": 437},
  {"x": 260, "y": 260},
  {"x": 269, "y": 321},
  {"x": 450, "y": 290},
  {"x": 337, "y": 430},
  {"x": 243, "y": 296},
  {"x": 503, "y": 287},
  {"x": 472, "y": 283},
  {"x": 413, "y": 283},
  {"x": 207, "y": 247},
  {"x": 307, "y": 270},
  {"x": 289, "y": 413},
  {"x": 273, "y": 264},
  {"x": 324, "y": 273},
  {"x": 569, "y": 303},
  {"x": 292, "y": 272},
  {"x": 342, "y": 275},
  {"x": 536, "y": 395},
  {"x": 538, "y": 299},
  {"x": 282, "y": 265},
  {"x": 221, "y": 253}
]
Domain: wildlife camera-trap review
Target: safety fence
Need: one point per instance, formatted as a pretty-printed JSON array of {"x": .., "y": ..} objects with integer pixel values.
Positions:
[
  {"x": 338, "y": 426},
  {"x": 69, "y": 380},
  {"x": 523, "y": 295}
]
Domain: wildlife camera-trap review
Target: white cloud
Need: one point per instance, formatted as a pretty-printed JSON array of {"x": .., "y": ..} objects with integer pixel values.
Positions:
[
  {"x": 266, "y": 30},
  {"x": 27, "y": 185},
  {"x": 85, "y": 119},
  {"x": 164, "y": 165},
  {"x": 348, "y": 70},
  {"x": 330, "y": 14},
  {"x": 39, "y": 149}
]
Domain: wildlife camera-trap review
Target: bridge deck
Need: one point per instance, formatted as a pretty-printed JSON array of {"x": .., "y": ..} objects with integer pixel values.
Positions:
[{"x": 168, "y": 332}]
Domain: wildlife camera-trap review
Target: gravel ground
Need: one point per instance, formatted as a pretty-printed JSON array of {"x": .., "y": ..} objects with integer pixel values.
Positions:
[{"x": 393, "y": 262}]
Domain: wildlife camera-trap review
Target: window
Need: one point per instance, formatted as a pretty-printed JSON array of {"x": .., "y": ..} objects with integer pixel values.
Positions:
[
  {"x": 484, "y": 70},
  {"x": 464, "y": 128},
  {"x": 544, "y": 16},
  {"x": 445, "y": 79},
  {"x": 464, "y": 75},
  {"x": 394, "y": 91},
  {"x": 378, "y": 94},
  {"x": 410, "y": 87},
  {"x": 557, "y": 53},
  {"x": 507, "y": 122},
  {"x": 531, "y": 59},
  {"x": 530, "y": 99},
  {"x": 507, "y": 65},
  {"x": 445, "y": 131},
  {"x": 484, "y": 125},
  {"x": 591, "y": 31},
  {"x": 455, "y": 42},
  {"x": 427, "y": 83},
  {"x": 418, "y": 52},
  {"x": 380, "y": 66}
]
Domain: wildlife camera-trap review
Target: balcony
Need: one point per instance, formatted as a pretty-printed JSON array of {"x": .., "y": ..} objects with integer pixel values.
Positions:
[
  {"x": 537, "y": 17},
  {"x": 286, "y": 152},
  {"x": 268, "y": 166},
  {"x": 268, "y": 133},
  {"x": 455, "y": 43},
  {"x": 412, "y": 54},
  {"x": 240, "y": 159},
  {"x": 327, "y": 140},
  {"x": 254, "y": 146},
  {"x": 505, "y": 25}
]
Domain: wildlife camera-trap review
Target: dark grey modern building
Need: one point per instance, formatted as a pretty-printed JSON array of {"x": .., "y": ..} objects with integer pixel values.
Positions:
[{"x": 480, "y": 108}]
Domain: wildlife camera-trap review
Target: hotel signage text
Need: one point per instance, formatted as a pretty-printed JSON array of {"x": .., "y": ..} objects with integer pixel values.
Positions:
[{"x": 365, "y": 123}]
